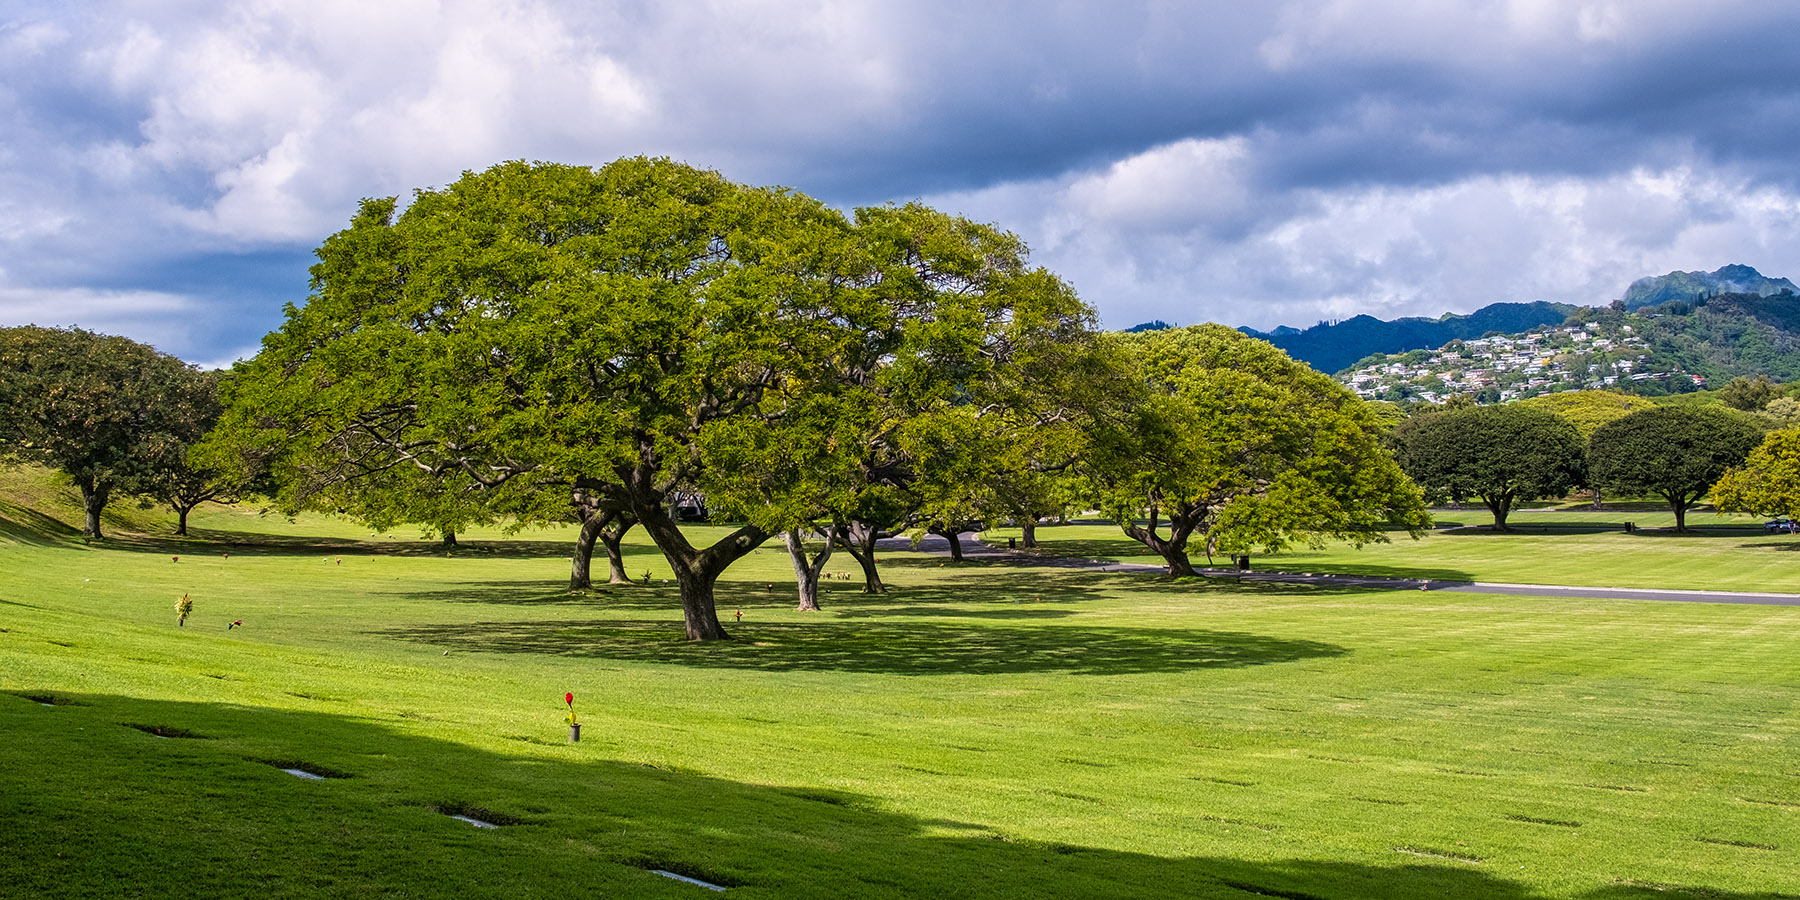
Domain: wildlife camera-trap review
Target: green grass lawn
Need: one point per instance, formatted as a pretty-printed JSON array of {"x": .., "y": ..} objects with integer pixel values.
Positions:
[
  {"x": 982, "y": 731},
  {"x": 1551, "y": 547}
]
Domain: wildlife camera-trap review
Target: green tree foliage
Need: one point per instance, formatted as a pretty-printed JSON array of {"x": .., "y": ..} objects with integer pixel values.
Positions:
[
  {"x": 631, "y": 332},
  {"x": 113, "y": 415},
  {"x": 1768, "y": 483},
  {"x": 1501, "y": 454},
  {"x": 1748, "y": 395},
  {"x": 1236, "y": 446},
  {"x": 1589, "y": 410},
  {"x": 1675, "y": 452},
  {"x": 1782, "y": 412},
  {"x": 184, "y": 478}
]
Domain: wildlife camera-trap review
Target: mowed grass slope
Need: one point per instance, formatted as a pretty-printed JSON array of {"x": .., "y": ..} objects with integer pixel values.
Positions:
[{"x": 982, "y": 731}]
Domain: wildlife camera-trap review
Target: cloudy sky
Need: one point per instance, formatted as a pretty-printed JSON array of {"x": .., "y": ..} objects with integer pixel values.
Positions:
[{"x": 167, "y": 167}]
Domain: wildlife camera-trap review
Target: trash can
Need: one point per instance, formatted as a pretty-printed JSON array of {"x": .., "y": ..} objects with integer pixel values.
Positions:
[
  {"x": 1012, "y": 543},
  {"x": 1630, "y": 527},
  {"x": 1242, "y": 561}
]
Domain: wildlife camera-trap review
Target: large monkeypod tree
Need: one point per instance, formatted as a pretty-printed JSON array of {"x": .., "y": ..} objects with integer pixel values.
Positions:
[
  {"x": 1675, "y": 452},
  {"x": 535, "y": 331},
  {"x": 1212, "y": 440},
  {"x": 1502, "y": 454},
  {"x": 951, "y": 334}
]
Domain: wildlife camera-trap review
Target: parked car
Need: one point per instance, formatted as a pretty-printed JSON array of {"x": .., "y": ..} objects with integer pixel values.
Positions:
[{"x": 1781, "y": 526}]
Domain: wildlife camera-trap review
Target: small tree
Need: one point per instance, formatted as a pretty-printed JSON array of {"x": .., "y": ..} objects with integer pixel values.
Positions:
[
  {"x": 1675, "y": 452},
  {"x": 1501, "y": 454},
  {"x": 180, "y": 477},
  {"x": 1768, "y": 481}
]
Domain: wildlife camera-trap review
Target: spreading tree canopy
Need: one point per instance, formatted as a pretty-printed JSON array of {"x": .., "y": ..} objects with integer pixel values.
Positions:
[
  {"x": 114, "y": 415},
  {"x": 1501, "y": 454},
  {"x": 630, "y": 332},
  {"x": 1675, "y": 452},
  {"x": 1225, "y": 442}
]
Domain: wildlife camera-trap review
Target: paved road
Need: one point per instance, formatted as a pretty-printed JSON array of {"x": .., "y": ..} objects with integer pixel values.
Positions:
[{"x": 975, "y": 549}]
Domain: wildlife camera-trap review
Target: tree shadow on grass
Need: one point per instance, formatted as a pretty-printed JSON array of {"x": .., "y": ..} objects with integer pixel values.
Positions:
[
  {"x": 995, "y": 592},
  {"x": 1278, "y": 565},
  {"x": 218, "y": 818},
  {"x": 1788, "y": 546},
  {"x": 878, "y": 647}
]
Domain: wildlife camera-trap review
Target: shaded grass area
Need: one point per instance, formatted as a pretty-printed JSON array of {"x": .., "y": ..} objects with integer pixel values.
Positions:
[
  {"x": 185, "y": 819},
  {"x": 890, "y": 648},
  {"x": 1561, "y": 547}
]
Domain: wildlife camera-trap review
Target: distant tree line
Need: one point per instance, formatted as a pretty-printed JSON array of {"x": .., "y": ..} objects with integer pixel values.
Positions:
[
  {"x": 1519, "y": 452},
  {"x": 114, "y": 416}
]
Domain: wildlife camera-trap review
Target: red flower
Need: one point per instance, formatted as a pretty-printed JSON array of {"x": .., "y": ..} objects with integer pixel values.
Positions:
[{"x": 569, "y": 698}]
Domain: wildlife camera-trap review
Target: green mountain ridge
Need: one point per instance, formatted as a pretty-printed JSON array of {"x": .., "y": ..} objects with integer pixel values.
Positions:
[
  {"x": 1689, "y": 286},
  {"x": 1332, "y": 347},
  {"x": 1731, "y": 321}
]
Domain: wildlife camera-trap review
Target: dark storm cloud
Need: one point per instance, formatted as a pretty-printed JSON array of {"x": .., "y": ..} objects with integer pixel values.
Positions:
[{"x": 170, "y": 165}]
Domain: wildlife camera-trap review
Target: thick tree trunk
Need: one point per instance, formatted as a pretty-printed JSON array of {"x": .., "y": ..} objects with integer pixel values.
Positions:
[
  {"x": 1029, "y": 527},
  {"x": 858, "y": 540},
  {"x": 948, "y": 533},
  {"x": 449, "y": 538},
  {"x": 697, "y": 571},
  {"x": 581, "y": 565},
  {"x": 181, "y": 514},
  {"x": 1501, "y": 506},
  {"x": 612, "y": 539},
  {"x": 1175, "y": 555},
  {"x": 1680, "y": 504},
  {"x": 698, "y": 610},
  {"x": 806, "y": 572},
  {"x": 93, "y": 503}
]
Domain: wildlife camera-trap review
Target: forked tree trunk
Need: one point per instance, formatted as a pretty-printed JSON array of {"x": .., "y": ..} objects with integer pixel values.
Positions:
[
  {"x": 806, "y": 572},
  {"x": 1680, "y": 503},
  {"x": 181, "y": 514},
  {"x": 697, "y": 571},
  {"x": 858, "y": 540},
  {"x": 1501, "y": 506},
  {"x": 1172, "y": 549},
  {"x": 608, "y": 530},
  {"x": 1029, "y": 527}
]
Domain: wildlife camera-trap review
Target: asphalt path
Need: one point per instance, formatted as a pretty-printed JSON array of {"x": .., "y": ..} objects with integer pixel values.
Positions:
[{"x": 975, "y": 549}]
